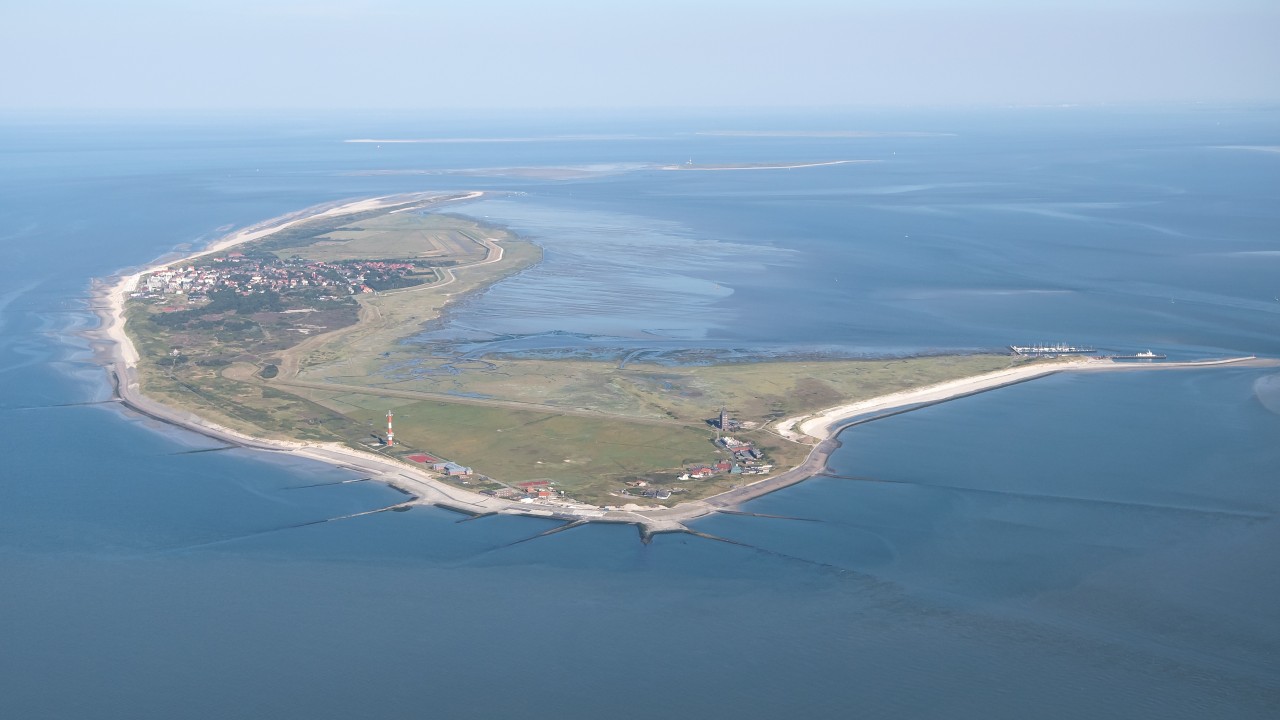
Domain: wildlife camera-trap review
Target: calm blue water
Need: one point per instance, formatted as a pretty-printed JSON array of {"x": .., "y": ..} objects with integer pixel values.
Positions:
[{"x": 1082, "y": 546}]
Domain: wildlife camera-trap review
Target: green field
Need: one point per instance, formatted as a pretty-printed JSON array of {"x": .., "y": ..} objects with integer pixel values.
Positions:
[
  {"x": 754, "y": 392},
  {"x": 588, "y": 457}
]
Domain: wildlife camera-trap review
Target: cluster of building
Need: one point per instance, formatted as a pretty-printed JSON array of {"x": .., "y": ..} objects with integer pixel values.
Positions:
[
  {"x": 247, "y": 275},
  {"x": 537, "y": 490},
  {"x": 530, "y": 491},
  {"x": 744, "y": 459},
  {"x": 451, "y": 469},
  {"x": 444, "y": 467},
  {"x": 741, "y": 450},
  {"x": 439, "y": 465},
  {"x": 527, "y": 491},
  {"x": 747, "y": 459},
  {"x": 643, "y": 490}
]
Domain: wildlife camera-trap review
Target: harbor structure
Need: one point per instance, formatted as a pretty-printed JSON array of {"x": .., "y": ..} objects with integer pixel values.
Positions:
[
  {"x": 391, "y": 434},
  {"x": 1058, "y": 349}
]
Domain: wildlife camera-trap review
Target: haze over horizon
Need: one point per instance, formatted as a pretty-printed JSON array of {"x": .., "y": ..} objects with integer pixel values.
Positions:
[{"x": 287, "y": 54}]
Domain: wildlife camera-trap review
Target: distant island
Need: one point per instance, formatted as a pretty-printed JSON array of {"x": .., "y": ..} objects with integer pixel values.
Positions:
[
  {"x": 825, "y": 133},
  {"x": 289, "y": 336},
  {"x": 762, "y": 165},
  {"x": 578, "y": 172}
]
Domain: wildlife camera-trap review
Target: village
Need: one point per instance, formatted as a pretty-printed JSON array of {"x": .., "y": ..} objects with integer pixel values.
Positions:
[
  {"x": 744, "y": 459},
  {"x": 531, "y": 491},
  {"x": 246, "y": 275}
]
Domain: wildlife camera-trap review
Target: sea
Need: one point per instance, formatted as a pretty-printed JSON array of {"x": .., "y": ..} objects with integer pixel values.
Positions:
[{"x": 1080, "y": 546}]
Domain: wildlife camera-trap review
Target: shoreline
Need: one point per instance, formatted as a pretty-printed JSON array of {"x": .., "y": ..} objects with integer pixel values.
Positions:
[{"x": 115, "y": 351}]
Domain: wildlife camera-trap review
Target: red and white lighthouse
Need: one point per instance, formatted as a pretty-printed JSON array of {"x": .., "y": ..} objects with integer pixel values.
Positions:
[{"x": 391, "y": 435}]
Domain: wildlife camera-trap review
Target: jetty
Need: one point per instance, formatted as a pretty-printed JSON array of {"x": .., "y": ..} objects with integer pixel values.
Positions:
[{"x": 1051, "y": 350}]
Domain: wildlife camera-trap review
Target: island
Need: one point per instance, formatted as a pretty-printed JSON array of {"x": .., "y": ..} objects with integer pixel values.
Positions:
[
  {"x": 691, "y": 165},
  {"x": 295, "y": 336}
]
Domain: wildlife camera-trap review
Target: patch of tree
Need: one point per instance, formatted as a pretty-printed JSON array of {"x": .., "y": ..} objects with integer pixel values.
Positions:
[
  {"x": 213, "y": 362},
  {"x": 260, "y": 254},
  {"x": 332, "y": 275},
  {"x": 239, "y": 324},
  {"x": 172, "y": 320},
  {"x": 393, "y": 282},
  {"x": 228, "y": 300},
  {"x": 313, "y": 294}
]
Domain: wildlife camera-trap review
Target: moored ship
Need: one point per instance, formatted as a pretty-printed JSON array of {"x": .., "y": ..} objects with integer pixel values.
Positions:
[
  {"x": 1059, "y": 349},
  {"x": 1145, "y": 355}
]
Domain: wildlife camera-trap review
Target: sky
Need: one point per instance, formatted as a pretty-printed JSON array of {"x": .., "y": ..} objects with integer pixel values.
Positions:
[{"x": 502, "y": 54}]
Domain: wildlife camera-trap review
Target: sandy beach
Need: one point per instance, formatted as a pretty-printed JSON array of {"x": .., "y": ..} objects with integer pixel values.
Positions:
[
  {"x": 822, "y": 425},
  {"x": 825, "y": 424}
]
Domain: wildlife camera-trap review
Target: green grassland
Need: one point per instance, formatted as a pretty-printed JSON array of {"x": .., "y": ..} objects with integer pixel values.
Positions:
[
  {"x": 247, "y": 406},
  {"x": 754, "y": 392},
  {"x": 589, "y": 458}
]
